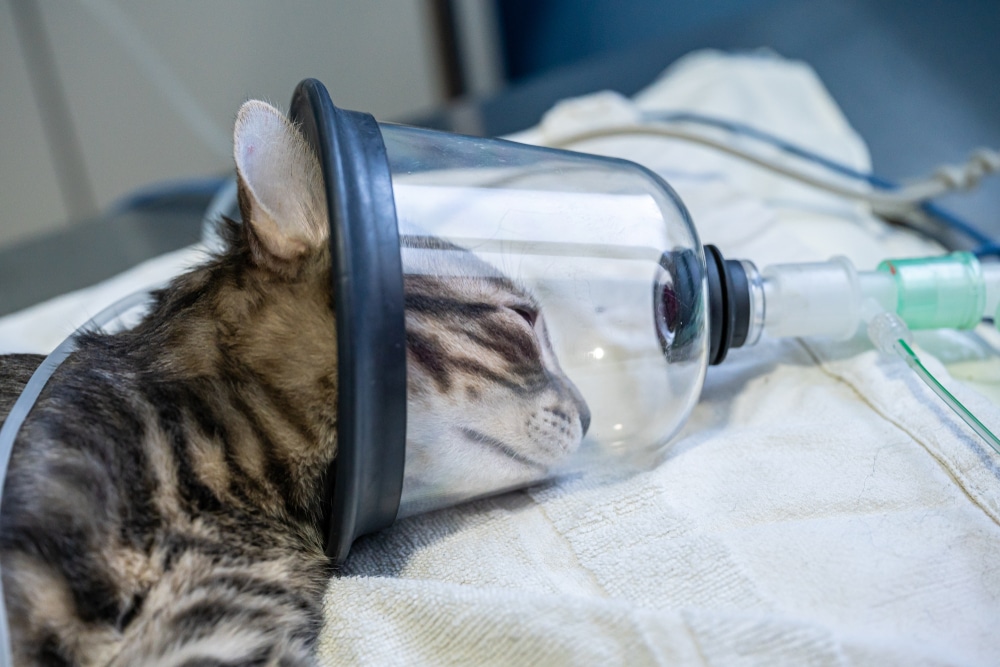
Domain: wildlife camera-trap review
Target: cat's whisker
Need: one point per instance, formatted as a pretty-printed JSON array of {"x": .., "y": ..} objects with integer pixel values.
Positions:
[{"x": 500, "y": 447}]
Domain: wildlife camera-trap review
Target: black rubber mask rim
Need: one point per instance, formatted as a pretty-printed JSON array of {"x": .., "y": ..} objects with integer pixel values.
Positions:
[{"x": 362, "y": 487}]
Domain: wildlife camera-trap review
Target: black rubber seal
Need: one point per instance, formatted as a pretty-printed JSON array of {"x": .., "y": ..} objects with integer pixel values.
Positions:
[
  {"x": 363, "y": 485},
  {"x": 728, "y": 304},
  {"x": 739, "y": 297},
  {"x": 719, "y": 331}
]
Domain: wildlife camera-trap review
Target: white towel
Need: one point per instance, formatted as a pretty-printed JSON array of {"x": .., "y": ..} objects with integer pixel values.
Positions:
[{"x": 821, "y": 507}]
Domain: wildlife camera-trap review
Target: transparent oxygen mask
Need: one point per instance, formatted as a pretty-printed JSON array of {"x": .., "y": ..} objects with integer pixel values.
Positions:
[
  {"x": 506, "y": 314},
  {"x": 548, "y": 329}
]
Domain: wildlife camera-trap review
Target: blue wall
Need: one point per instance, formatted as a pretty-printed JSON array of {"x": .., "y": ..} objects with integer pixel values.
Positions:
[{"x": 539, "y": 35}]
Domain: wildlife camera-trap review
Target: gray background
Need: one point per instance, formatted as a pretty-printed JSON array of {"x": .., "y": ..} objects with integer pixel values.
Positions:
[{"x": 149, "y": 90}]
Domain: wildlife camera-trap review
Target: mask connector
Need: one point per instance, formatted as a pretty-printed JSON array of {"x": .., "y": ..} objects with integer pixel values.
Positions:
[
  {"x": 735, "y": 304},
  {"x": 937, "y": 292}
]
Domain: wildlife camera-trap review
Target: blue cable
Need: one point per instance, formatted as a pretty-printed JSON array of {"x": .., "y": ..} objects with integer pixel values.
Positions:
[{"x": 986, "y": 245}]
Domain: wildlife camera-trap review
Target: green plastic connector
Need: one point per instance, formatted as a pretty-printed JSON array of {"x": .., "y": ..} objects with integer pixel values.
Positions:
[{"x": 939, "y": 292}]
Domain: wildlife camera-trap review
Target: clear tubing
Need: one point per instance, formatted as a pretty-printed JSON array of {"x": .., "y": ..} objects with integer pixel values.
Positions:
[
  {"x": 890, "y": 335},
  {"x": 906, "y": 353}
]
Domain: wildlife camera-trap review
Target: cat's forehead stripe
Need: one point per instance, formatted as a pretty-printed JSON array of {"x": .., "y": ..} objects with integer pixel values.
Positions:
[
  {"x": 421, "y": 303},
  {"x": 425, "y": 351},
  {"x": 483, "y": 356}
]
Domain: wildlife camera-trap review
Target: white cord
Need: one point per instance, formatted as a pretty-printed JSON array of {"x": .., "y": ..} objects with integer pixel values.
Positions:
[{"x": 945, "y": 179}]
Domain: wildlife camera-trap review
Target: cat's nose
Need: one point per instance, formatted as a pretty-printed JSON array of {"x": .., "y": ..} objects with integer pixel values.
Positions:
[{"x": 584, "y": 418}]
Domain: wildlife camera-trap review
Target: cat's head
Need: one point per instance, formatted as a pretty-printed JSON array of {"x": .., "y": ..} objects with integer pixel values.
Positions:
[{"x": 488, "y": 406}]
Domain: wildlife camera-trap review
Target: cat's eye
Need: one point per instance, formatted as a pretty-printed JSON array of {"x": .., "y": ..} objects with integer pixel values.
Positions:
[{"x": 529, "y": 315}]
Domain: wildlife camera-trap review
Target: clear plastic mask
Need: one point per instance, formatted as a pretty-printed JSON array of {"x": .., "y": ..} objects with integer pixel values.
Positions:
[{"x": 554, "y": 313}]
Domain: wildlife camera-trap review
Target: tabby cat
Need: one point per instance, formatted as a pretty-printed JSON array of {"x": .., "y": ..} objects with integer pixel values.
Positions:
[
  {"x": 482, "y": 371},
  {"x": 162, "y": 502}
]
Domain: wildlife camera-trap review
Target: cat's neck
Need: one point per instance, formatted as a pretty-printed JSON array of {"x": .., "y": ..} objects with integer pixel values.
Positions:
[{"x": 257, "y": 355}]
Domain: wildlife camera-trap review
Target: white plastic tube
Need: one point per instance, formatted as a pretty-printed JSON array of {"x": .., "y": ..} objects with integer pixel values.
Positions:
[
  {"x": 830, "y": 298},
  {"x": 821, "y": 298}
]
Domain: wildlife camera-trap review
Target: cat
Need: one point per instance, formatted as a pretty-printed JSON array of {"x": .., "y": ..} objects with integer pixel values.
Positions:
[
  {"x": 481, "y": 370},
  {"x": 163, "y": 498}
]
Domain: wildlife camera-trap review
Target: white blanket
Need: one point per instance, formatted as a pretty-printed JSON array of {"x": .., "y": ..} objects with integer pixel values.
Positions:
[{"x": 821, "y": 507}]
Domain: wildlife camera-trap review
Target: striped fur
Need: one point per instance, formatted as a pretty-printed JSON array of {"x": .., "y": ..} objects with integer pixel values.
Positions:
[
  {"x": 489, "y": 407},
  {"x": 162, "y": 502},
  {"x": 163, "y": 498}
]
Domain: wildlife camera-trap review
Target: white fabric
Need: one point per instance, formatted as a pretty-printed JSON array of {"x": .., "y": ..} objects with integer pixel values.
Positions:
[{"x": 821, "y": 507}]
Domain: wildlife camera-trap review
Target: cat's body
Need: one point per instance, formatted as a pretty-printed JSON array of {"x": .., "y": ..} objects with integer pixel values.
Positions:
[
  {"x": 15, "y": 371},
  {"x": 163, "y": 497},
  {"x": 169, "y": 492}
]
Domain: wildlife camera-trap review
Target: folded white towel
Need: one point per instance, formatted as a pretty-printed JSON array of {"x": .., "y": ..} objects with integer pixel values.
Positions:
[{"x": 820, "y": 508}]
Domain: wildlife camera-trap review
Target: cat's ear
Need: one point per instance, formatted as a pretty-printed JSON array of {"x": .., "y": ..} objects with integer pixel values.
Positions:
[{"x": 282, "y": 198}]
